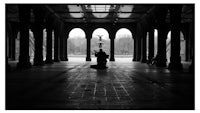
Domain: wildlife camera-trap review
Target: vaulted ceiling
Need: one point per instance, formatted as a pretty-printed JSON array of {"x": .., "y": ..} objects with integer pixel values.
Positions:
[{"x": 115, "y": 13}]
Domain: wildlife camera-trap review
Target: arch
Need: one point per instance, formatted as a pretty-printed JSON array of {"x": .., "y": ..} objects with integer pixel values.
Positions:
[
  {"x": 76, "y": 42},
  {"x": 124, "y": 42},
  {"x": 95, "y": 40},
  {"x": 182, "y": 46}
]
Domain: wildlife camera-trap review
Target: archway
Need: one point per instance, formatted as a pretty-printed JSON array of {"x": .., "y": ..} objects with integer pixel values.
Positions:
[
  {"x": 97, "y": 33},
  {"x": 76, "y": 43},
  {"x": 182, "y": 46},
  {"x": 124, "y": 43}
]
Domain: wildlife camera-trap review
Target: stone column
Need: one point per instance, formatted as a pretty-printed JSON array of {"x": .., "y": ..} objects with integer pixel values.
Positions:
[
  {"x": 24, "y": 18},
  {"x": 162, "y": 36},
  {"x": 88, "y": 40},
  {"x": 38, "y": 35},
  {"x": 151, "y": 45},
  {"x": 62, "y": 41},
  {"x": 175, "y": 19},
  {"x": 134, "y": 49},
  {"x": 144, "y": 47},
  {"x": 49, "y": 46},
  {"x": 112, "y": 46},
  {"x": 138, "y": 41},
  {"x": 65, "y": 46},
  {"x": 56, "y": 46}
]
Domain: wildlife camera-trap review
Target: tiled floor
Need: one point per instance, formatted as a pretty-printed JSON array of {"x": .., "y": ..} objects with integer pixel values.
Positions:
[{"x": 74, "y": 85}]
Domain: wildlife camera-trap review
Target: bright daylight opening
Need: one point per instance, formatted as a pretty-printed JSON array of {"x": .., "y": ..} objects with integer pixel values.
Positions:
[
  {"x": 100, "y": 32},
  {"x": 124, "y": 43},
  {"x": 76, "y": 43}
]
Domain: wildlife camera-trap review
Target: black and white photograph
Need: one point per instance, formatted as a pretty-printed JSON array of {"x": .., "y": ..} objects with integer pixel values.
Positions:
[{"x": 99, "y": 56}]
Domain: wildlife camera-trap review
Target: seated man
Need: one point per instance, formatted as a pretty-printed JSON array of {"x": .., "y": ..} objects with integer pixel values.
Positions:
[{"x": 101, "y": 58}]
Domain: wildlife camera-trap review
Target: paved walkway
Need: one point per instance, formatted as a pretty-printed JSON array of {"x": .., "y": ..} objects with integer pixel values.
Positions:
[{"x": 74, "y": 85}]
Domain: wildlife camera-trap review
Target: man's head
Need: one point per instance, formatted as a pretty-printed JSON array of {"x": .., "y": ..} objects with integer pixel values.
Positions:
[{"x": 100, "y": 50}]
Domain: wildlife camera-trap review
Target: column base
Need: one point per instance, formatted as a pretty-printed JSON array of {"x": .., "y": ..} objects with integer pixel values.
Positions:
[
  {"x": 138, "y": 59},
  {"x": 112, "y": 59},
  {"x": 143, "y": 60},
  {"x": 56, "y": 60},
  {"x": 62, "y": 58},
  {"x": 24, "y": 65},
  {"x": 161, "y": 64},
  {"x": 65, "y": 59},
  {"x": 160, "y": 61},
  {"x": 175, "y": 66},
  {"x": 41, "y": 63},
  {"x": 134, "y": 59},
  {"x": 88, "y": 59},
  {"x": 49, "y": 61},
  {"x": 175, "y": 63}
]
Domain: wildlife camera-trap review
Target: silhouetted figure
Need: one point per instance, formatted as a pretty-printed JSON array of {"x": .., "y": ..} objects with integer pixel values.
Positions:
[{"x": 101, "y": 59}]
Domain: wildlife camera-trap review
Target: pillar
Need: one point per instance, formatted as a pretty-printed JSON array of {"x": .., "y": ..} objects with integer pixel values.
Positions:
[
  {"x": 88, "y": 38},
  {"x": 138, "y": 55},
  {"x": 65, "y": 46},
  {"x": 62, "y": 41},
  {"x": 56, "y": 46},
  {"x": 112, "y": 46},
  {"x": 151, "y": 45},
  {"x": 134, "y": 49},
  {"x": 162, "y": 36},
  {"x": 49, "y": 46},
  {"x": 144, "y": 47},
  {"x": 38, "y": 35},
  {"x": 24, "y": 18},
  {"x": 175, "y": 19}
]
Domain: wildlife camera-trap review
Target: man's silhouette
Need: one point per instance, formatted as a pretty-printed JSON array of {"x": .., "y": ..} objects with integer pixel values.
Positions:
[{"x": 101, "y": 59}]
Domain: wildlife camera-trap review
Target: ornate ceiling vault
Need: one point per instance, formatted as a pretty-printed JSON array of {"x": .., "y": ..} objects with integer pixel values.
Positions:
[{"x": 101, "y": 13}]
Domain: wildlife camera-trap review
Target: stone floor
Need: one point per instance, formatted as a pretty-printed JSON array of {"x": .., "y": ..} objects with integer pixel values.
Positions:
[{"x": 123, "y": 85}]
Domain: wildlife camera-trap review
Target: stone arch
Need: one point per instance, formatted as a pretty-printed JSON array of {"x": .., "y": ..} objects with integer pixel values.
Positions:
[
  {"x": 124, "y": 43},
  {"x": 76, "y": 42},
  {"x": 182, "y": 46},
  {"x": 104, "y": 33}
]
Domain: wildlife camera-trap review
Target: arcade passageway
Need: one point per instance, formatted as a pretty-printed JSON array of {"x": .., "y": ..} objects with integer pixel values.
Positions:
[
  {"x": 151, "y": 67},
  {"x": 124, "y": 85}
]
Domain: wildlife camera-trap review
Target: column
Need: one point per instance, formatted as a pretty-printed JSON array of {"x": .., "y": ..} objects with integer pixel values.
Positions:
[
  {"x": 38, "y": 35},
  {"x": 49, "y": 46},
  {"x": 151, "y": 44},
  {"x": 144, "y": 47},
  {"x": 112, "y": 46},
  {"x": 62, "y": 41},
  {"x": 162, "y": 36},
  {"x": 65, "y": 52},
  {"x": 62, "y": 46},
  {"x": 56, "y": 46},
  {"x": 175, "y": 19},
  {"x": 138, "y": 41},
  {"x": 134, "y": 49},
  {"x": 88, "y": 39},
  {"x": 24, "y": 18}
]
